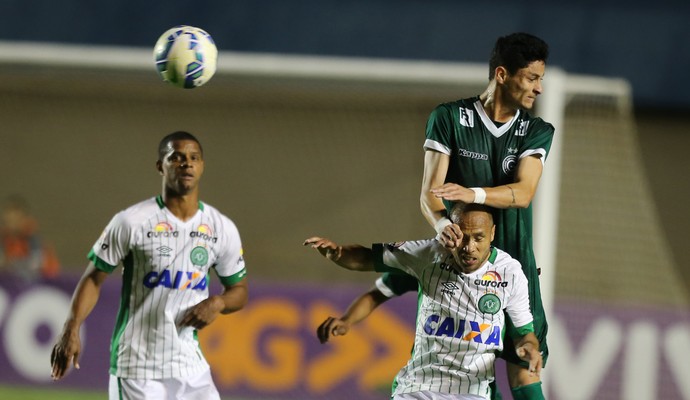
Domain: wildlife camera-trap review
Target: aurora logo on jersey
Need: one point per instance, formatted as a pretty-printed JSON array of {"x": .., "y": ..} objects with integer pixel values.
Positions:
[
  {"x": 179, "y": 280},
  {"x": 162, "y": 229},
  {"x": 491, "y": 279},
  {"x": 204, "y": 232},
  {"x": 466, "y": 330}
]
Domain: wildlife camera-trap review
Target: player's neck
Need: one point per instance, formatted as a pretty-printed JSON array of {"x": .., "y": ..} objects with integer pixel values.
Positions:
[
  {"x": 183, "y": 206},
  {"x": 494, "y": 106}
]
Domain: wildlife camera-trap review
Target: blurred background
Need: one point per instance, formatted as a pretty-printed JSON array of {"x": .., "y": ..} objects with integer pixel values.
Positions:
[{"x": 314, "y": 125}]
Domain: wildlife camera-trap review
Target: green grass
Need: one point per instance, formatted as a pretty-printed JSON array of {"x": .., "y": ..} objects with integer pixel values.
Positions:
[
  {"x": 25, "y": 393},
  {"x": 56, "y": 393}
]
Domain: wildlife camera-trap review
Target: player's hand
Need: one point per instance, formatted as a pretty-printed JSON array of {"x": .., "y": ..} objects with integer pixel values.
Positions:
[
  {"x": 327, "y": 248},
  {"x": 451, "y": 237},
  {"x": 65, "y": 352},
  {"x": 529, "y": 353},
  {"x": 202, "y": 314},
  {"x": 453, "y": 192},
  {"x": 332, "y": 327}
]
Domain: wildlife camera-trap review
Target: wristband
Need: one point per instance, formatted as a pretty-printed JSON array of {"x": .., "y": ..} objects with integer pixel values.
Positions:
[
  {"x": 479, "y": 195},
  {"x": 441, "y": 223}
]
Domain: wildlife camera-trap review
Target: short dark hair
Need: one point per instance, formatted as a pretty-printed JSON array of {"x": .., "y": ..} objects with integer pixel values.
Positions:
[
  {"x": 178, "y": 135},
  {"x": 516, "y": 51},
  {"x": 460, "y": 208}
]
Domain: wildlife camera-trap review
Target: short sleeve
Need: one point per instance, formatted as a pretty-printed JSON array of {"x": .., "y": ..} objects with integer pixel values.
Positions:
[
  {"x": 439, "y": 130},
  {"x": 538, "y": 139},
  {"x": 113, "y": 245},
  {"x": 230, "y": 265}
]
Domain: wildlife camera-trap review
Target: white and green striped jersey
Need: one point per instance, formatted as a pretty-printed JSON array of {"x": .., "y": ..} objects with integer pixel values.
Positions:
[
  {"x": 460, "y": 319},
  {"x": 166, "y": 271}
]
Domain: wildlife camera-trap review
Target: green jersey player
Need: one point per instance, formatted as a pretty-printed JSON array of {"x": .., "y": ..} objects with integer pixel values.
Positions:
[
  {"x": 167, "y": 246},
  {"x": 464, "y": 292},
  {"x": 489, "y": 150}
]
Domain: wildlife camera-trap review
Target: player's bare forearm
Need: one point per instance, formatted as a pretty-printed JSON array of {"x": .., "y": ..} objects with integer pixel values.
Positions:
[
  {"x": 235, "y": 297},
  {"x": 85, "y": 297},
  {"x": 363, "y": 305},
  {"x": 67, "y": 350},
  {"x": 527, "y": 348},
  {"x": 518, "y": 194},
  {"x": 435, "y": 170},
  {"x": 353, "y": 257}
]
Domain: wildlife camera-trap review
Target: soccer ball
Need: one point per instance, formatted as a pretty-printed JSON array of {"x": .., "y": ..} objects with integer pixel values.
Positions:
[{"x": 185, "y": 56}]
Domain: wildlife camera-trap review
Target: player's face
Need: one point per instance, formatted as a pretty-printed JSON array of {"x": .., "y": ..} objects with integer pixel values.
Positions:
[
  {"x": 477, "y": 234},
  {"x": 523, "y": 87},
  {"x": 182, "y": 166}
]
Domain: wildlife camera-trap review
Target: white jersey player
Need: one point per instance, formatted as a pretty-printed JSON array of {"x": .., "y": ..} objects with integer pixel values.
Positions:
[
  {"x": 167, "y": 246},
  {"x": 460, "y": 319}
]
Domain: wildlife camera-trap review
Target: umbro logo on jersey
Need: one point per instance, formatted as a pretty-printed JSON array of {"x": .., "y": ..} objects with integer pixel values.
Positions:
[
  {"x": 449, "y": 287},
  {"x": 467, "y": 117},
  {"x": 164, "y": 251},
  {"x": 466, "y": 330}
]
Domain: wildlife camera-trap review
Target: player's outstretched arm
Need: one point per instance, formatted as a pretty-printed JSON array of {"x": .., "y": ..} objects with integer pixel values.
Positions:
[
  {"x": 67, "y": 350},
  {"x": 233, "y": 298},
  {"x": 527, "y": 348},
  {"x": 515, "y": 195},
  {"x": 353, "y": 257},
  {"x": 358, "y": 310}
]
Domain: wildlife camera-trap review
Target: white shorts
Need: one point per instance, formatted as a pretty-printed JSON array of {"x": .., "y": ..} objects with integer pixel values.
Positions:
[
  {"x": 427, "y": 395},
  {"x": 196, "y": 387}
]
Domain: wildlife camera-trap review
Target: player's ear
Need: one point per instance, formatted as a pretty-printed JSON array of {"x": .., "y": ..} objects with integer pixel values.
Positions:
[
  {"x": 493, "y": 232},
  {"x": 159, "y": 166},
  {"x": 501, "y": 74}
]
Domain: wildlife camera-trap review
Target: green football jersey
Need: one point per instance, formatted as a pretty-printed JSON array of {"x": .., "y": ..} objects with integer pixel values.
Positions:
[{"x": 485, "y": 154}]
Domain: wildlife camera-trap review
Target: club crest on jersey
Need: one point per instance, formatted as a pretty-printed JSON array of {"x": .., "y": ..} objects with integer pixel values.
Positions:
[
  {"x": 199, "y": 256},
  {"x": 465, "y": 330},
  {"x": 204, "y": 232},
  {"x": 162, "y": 229},
  {"x": 489, "y": 304},
  {"x": 180, "y": 280},
  {"x": 508, "y": 164},
  {"x": 466, "y": 117}
]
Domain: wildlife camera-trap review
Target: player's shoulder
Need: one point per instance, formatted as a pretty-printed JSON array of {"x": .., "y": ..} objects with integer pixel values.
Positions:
[
  {"x": 217, "y": 215},
  {"x": 503, "y": 260},
  {"x": 138, "y": 212},
  {"x": 535, "y": 123},
  {"x": 452, "y": 105}
]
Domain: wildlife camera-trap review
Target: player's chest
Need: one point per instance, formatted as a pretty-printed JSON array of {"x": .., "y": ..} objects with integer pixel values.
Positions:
[{"x": 171, "y": 245}]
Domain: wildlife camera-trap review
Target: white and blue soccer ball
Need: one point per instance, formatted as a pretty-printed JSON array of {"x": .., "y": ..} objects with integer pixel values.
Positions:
[{"x": 186, "y": 56}]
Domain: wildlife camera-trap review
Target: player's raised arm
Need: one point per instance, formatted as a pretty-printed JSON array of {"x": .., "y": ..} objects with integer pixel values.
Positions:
[
  {"x": 68, "y": 347},
  {"x": 515, "y": 195},
  {"x": 353, "y": 257},
  {"x": 435, "y": 170}
]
